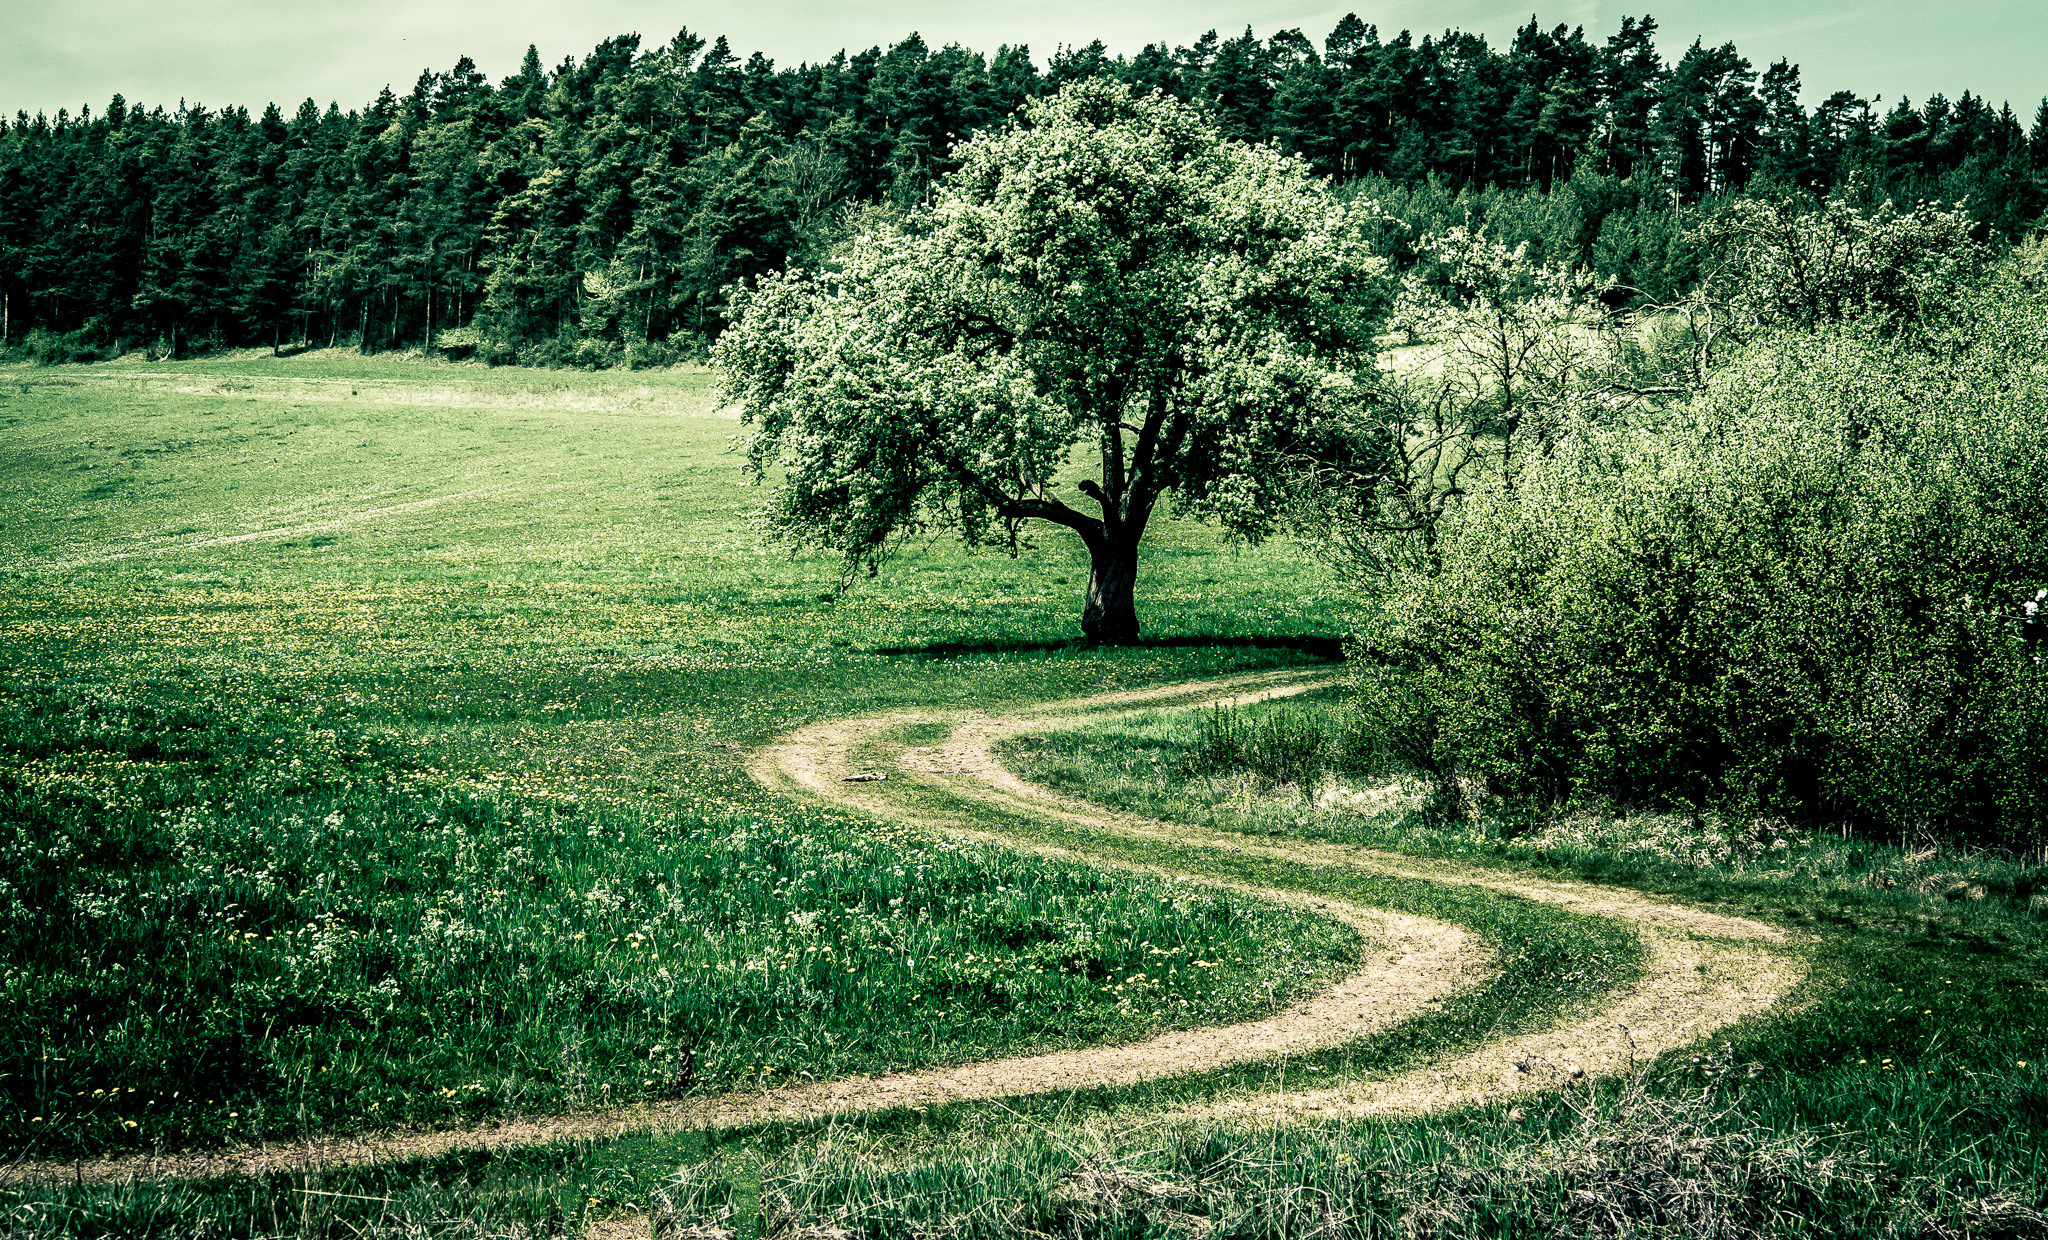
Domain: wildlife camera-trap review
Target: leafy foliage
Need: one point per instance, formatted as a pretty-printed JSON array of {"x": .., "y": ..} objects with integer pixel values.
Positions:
[
  {"x": 1786, "y": 264},
  {"x": 1107, "y": 274},
  {"x": 1800, "y": 592},
  {"x": 1503, "y": 347}
]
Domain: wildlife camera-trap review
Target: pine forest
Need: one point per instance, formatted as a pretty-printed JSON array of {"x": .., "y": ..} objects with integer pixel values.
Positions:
[{"x": 598, "y": 213}]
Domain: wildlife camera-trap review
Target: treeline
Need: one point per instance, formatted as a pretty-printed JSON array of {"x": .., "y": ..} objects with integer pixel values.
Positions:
[{"x": 596, "y": 212}]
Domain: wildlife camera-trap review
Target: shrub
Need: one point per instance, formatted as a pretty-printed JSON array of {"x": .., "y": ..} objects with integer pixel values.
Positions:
[
  {"x": 1804, "y": 265},
  {"x": 543, "y": 353},
  {"x": 57, "y": 349},
  {"x": 1801, "y": 593},
  {"x": 458, "y": 342},
  {"x": 591, "y": 353},
  {"x": 649, "y": 354}
]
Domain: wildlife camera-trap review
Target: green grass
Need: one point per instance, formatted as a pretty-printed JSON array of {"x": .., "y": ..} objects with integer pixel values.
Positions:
[
  {"x": 1700, "y": 1154},
  {"x": 1918, "y": 1049},
  {"x": 1882, "y": 1156},
  {"x": 621, "y": 496},
  {"x": 386, "y": 722},
  {"x": 532, "y": 607},
  {"x": 253, "y": 917}
]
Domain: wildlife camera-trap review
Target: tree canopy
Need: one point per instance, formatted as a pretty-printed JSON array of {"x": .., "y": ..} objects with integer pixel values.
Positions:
[
  {"x": 593, "y": 211},
  {"x": 1108, "y": 273}
]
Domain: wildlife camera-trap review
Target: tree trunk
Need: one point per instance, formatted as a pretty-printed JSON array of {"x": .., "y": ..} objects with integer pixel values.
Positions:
[{"x": 1111, "y": 616}]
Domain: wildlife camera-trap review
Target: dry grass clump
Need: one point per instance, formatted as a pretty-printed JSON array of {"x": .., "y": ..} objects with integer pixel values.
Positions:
[
  {"x": 2000, "y": 1215},
  {"x": 1683, "y": 1155},
  {"x": 1687, "y": 1161},
  {"x": 771, "y": 1226},
  {"x": 1098, "y": 1195}
]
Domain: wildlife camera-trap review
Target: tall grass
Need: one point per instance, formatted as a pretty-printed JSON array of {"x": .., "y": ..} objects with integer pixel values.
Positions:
[
  {"x": 1228, "y": 765},
  {"x": 1280, "y": 747},
  {"x": 1691, "y": 1151},
  {"x": 1309, "y": 768}
]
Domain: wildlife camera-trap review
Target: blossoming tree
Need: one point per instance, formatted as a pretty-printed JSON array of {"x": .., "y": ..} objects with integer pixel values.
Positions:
[{"x": 1106, "y": 275}]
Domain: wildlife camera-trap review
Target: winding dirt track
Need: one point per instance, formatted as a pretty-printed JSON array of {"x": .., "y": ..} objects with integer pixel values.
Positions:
[{"x": 1704, "y": 971}]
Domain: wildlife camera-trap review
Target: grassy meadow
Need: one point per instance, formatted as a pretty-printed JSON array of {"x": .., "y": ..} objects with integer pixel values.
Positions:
[
  {"x": 371, "y": 758},
  {"x": 1907, "y": 1092}
]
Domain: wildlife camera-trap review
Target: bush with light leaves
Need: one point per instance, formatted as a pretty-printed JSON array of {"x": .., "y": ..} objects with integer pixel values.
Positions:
[{"x": 1802, "y": 592}]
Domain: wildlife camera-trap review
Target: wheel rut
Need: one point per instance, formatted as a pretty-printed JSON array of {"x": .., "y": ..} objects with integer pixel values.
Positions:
[{"x": 1705, "y": 971}]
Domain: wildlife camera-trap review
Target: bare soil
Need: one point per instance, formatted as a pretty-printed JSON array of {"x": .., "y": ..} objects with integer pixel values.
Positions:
[{"x": 1705, "y": 971}]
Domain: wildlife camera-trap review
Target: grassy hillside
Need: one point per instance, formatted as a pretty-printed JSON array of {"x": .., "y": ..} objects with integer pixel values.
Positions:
[
  {"x": 376, "y": 726},
  {"x": 371, "y": 741}
]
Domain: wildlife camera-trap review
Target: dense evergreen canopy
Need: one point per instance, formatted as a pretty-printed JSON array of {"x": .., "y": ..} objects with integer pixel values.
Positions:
[{"x": 598, "y": 211}]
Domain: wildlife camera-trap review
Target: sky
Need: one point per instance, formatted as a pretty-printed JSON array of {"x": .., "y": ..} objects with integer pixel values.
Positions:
[{"x": 66, "y": 53}]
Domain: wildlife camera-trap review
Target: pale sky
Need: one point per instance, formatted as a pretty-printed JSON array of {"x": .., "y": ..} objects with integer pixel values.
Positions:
[{"x": 64, "y": 53}]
